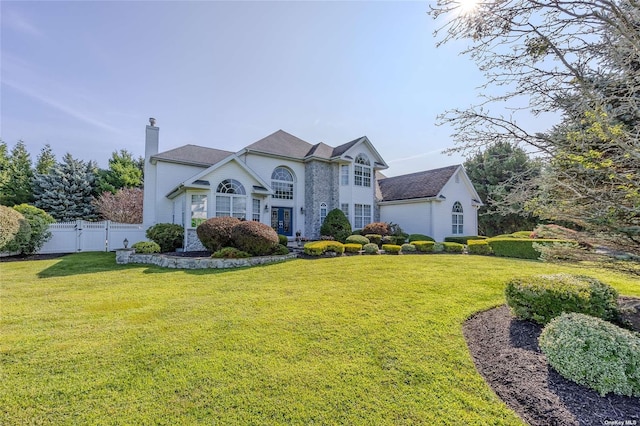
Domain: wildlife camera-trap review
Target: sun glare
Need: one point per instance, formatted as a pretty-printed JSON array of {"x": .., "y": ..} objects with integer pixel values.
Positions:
[{"x": 467, "y": 6}]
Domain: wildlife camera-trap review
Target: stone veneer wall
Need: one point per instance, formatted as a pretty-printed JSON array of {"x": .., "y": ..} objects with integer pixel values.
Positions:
[
  {"x": 321, "y": 185},
  {"x": 193, "y": 242},
  {"x": 126, "y": 256}
]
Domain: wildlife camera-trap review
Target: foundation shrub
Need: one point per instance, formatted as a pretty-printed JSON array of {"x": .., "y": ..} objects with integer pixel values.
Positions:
[
  {"x": 453, "y": 247},
  {"x": 593, "y": 353},
  {"x": 146, "y": 247},
  {"x": 9, "y": 225},
  {"x": 389, "y": 239},
  {"x": 352, "y": 247},
  {"x": 463, "y": 240},
  {"x": 336, "y": 225},
  {"x": 518, "y": 247},
  {"x": 318, "y": 248},
  {"x": 280, "y": 250},
  {"x": 357, "y": 239},
  {"x": 541, "y": 298},
  {"x": 391, "y": 248},
  {"x": 255, "y": 238},
  {"x": 419, "y": 237},
  {"x": 424, "y": 246},
  {"x": 230, "y": 253},
  {"x": 374, "y": 239},
  {"x": 371, "y": 248},
  {"x": 215, "y": 233},
  {"x": 283, "y": 240},
  {"x": 408, "y": 248},
  {"x": 478, "y": 247},
  {"x": 380, "y": 228},
  {"x": 168, "y": 236},
  {"x": 39, "y": 222}
]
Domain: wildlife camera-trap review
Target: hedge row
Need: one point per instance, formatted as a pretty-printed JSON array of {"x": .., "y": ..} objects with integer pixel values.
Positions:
[{"x": 517, "y": 247}]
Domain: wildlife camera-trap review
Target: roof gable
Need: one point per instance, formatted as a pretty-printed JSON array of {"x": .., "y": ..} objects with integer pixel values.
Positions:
[
  {"x": 425, "y": 184},
  {"x": 283, "y": 144},
  {"x": 350, "y": 148},
  {"x": 193, "y": 155}
]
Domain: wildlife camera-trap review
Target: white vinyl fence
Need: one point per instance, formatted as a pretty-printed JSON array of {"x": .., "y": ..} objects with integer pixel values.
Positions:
[{"x": 71, "y": 237}]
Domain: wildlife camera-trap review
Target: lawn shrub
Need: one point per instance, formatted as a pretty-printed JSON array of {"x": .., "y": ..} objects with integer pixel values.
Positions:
[
  {"x": 518, "y": 247},
  {"x": 230, "y": 253},
  {"x": 464, "y": 239},
  {"x": 39, "y": 222},
  {"x": 356, "y": 232},
  {"x": 9, "y": 225},
  {"x": 374, "y": 239},
  {"x": 318, "y": 248},
  {"x": 478, "y": 247},
  {"x": 357, "y": 239},
  {"x": 424, "y": 246},
  {"x": 255, "y": 238},
  {"x": 146, "y": 247},
  {"x": 336, "y": 225},
  {"x": 453, "y": 247},
  {"x": 401, "y": 239},
  {"x": 371, "y": 248},
  {"x": 380, "y": 228},
  {"x": 419, "y": 237},
  {"x": 391, "y": 248},
  {"x": 593, "y": 353},
  {"x": 543, "y": 297},
  {"x": 215, "y": 233},
  {"x": 389, "y": 239},
  {"x": 283, "y": 240},
  {"x": 21, "y": 239},
  {"x": 169, "y": 236},
  {"x": 280, "y": 250},
  {"x": 352, "y": 247},
  {"x": 408, "y": 248}
]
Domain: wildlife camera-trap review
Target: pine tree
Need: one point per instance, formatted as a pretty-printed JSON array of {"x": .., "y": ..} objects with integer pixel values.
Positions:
[
  {"x": 4, "y": 164},
  {"x": 124, "y": 172},
  {"x": 45, "y": 161},
  {"x": 16, "y": 183},
  {"x": 66, "y": 192}
]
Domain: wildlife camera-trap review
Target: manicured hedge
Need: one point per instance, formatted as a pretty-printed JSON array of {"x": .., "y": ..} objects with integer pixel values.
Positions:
[
  {"x": 453, "y": 247},
  {"x": 478, "y": 247},
  {"x": 146, "y": 247},
  {"x": 374, "y": 238},
  {"x": 463, "y": 240},
  {"x": 357, "y": 239},
  {"x": 352, "y": 247},
  {"x": 424, "y": 246},
  {"x": 370, "y": 248},
  {"x": 318, "y": 248},
  {"x": 391, "y": 248},
  {"x": 215, "y": 233},
  {"x": 169, "y": 236},
  {"x": 255, "y": 238},
  {"x": 419, "y": 237},
  {"x": 230, "y": 253},
  {"x": 593, "y": 353},
  {"x": 408, "y": 248},
  {"x": 518, "y": 248},
  {"x": 543, "y": 297}
]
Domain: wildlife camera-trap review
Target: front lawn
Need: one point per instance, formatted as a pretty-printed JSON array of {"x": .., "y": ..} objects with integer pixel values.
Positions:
[{"x": 352, "y": 340}]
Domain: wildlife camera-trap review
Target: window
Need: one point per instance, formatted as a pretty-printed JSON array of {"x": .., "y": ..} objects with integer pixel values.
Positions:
[
  {"x": 362, "y": 171},
  {"x": 282, "y": 183},
  {"x": 457, "y": 219},
  {"x": 231, "y": 199},
  {"x": 198, "y": 209},
  {"x": 256, "y": 211},
  {"x": 362, "y": 215},
  {"x": 345, "y": 209},
  {"x": 344, "y": 175},
  {"x": 323, "y": 212}
]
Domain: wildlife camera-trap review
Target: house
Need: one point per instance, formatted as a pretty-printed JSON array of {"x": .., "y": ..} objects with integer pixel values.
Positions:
[{"x": 291, "y": 185}]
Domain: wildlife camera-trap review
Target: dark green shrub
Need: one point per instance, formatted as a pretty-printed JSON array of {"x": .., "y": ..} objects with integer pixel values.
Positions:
[
  {"x": 283, "y": 240},
  {"x": 215, "y": 233},
  {"x": 453, "y": 247},
  {"x": 169, "y": 236},
  {"x": 357, "y": 239},
  {"x": 593, "y": 353},
  {"x": 419, "y": 237},
  {"x": 230, "y": 253},
  {"x": 374, "y": 239},
  {"x": 518, "y": 248},
  {"x": 21, "y": 239},
  {"x": 543, "y": 297},
  {"x": 401, "y": 239},
  {"x": 478, "y": 247},
  {"x": 408, "y": 248},
  {"x": 391, "y": 248},
  {"x": 424, "y": 246},
  {"x": 280, "y": 250},
  {"x": 356, "y": 232},
  {"x": 39, "y": 221},
  {"x": 9, "y": 225},
  {"x": 370, "y": 248},
  {"x": 352, "y": 247},
  {"x": 255, "y": 238},
  {"x": 463, "y": 240},
  {"x": 380, "y": 228},
  {"x": 146, "y": 247},
  {"x": 389, "y": 239},
  {"x": 336, "y": 225}
]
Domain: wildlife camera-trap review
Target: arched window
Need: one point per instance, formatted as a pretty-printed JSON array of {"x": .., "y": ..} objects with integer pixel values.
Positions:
[
  {"x": 362, "y": 171},
  {"x": 231, "y": 199},
  {"x": 457, "y": 219},
  {"x": 282, "y": 183}
]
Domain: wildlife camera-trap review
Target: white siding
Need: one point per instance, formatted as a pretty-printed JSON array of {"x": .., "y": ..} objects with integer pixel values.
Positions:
[{"x": 413, "y": 218}]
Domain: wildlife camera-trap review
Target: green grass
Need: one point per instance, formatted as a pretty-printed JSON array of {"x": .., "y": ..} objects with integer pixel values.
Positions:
[{"x": 352, "y": 340}]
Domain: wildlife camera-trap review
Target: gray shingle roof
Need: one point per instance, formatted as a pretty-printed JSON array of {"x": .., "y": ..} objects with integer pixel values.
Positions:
[
  {"x": 339, "y": 150},
  {"x": 193, "y": 154},
  {"x": 282, "y": 143},
  {"x": 416, "y": 185},
  {"x": 321, "y": 150}
]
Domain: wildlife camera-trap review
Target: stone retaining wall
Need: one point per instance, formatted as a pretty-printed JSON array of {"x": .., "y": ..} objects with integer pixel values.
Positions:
[{"x": 126, "y": 256}]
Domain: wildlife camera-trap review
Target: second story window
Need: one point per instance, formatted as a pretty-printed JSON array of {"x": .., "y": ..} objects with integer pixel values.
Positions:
[
  {"x": 282, "y": 183},
  {"x": 231, "y": 199},
  {"x": 362, "y": 171}
]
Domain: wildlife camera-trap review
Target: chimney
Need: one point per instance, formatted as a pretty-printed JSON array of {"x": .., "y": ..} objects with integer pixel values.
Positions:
[
  {"x": 151, "y": 140},
  {"x": 150, "y": 178}
]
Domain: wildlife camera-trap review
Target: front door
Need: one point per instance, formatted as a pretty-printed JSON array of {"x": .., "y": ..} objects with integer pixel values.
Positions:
[{"x": 281, "y": 220}]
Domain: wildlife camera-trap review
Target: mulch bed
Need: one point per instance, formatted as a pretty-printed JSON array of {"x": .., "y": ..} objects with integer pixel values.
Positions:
[
  {"x": 20, "y": 257},
  {"x": 506, "y": 353}
]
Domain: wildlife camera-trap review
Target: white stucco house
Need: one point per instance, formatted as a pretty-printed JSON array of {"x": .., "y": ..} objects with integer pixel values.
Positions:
[{"x": 291, "y": 185}]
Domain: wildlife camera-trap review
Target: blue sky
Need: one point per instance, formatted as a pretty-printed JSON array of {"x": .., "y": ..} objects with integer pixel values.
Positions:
[{"x": 85, "y": 77}]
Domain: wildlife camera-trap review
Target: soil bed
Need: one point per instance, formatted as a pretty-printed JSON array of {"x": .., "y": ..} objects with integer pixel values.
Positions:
[{"x": 506, "y": 353}]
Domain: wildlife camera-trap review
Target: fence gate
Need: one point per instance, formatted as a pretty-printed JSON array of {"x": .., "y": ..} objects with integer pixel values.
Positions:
[{"x": 71, "y": 237}]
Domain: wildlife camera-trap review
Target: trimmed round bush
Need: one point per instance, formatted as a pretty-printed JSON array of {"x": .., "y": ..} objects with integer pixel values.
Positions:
[
  {"x": 336, "y": 225},
  {"x": 215, "y": 233},
  {"x": 391, "y": 248},
  {"x": 169, "y": 236},
  {"x": 146, "y": 247},
  {"x": 389, "y": 239},
  {"x": 419, "y": 237},
  {"x": 39, "y": 222},
  {"x": 380, "y": 228},
  {"x": 541, "y": 298},
  {"x": 255, "y": 238},
  {"x": 352, "y": 247},
  {"x": 424, "y": 246},
  {"x": 283, "y": 240},
  {"x": 230, "y": 253},
  {"x": 408, "y": 248},
  {"x": 9, "y": 225},
  {"x": 453, "y": 247},
  {"x": 281, "y": 250},
  {"x": 478, "y": 247},
  {"x": 374, "y": 239},
  {"x": 357, "y": 239},
  {"x": 318, "y": 248},
  {"x": 371, "y": 248},
  {"x": 593, "y": 353}
]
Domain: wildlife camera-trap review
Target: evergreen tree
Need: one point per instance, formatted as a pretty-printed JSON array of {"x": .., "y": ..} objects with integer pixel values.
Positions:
[
  {"x": 124, "y": 172},
  {"x": 66, "y": 192},
  {"x": 45, "y": 161},
  {"x": 4, "y": 164},
  {"x": 16, "y": 186}
]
